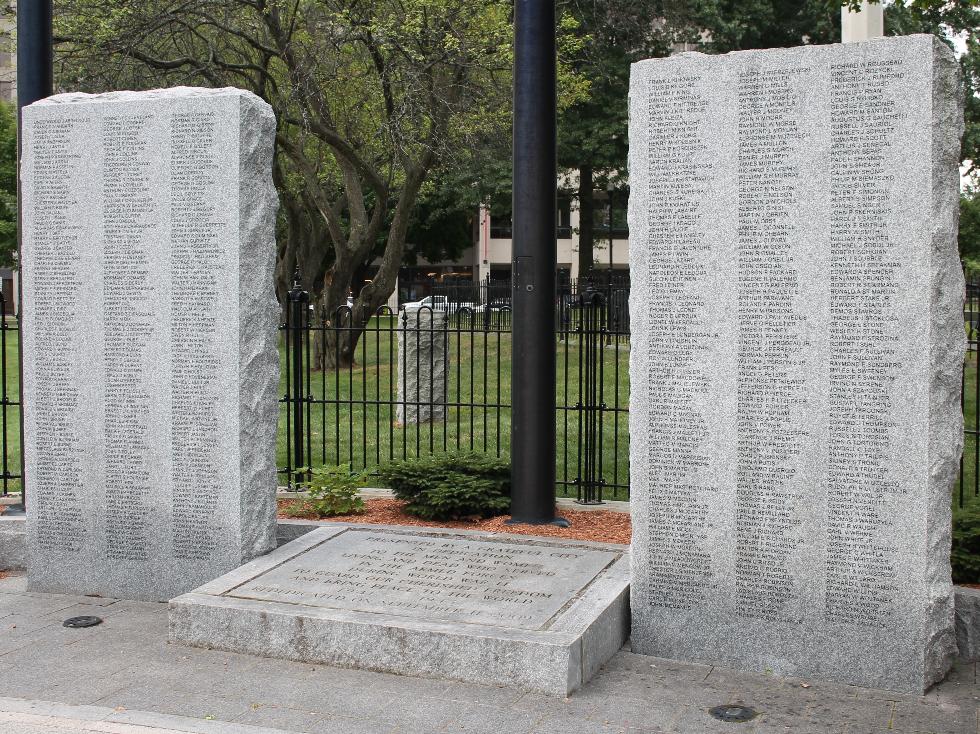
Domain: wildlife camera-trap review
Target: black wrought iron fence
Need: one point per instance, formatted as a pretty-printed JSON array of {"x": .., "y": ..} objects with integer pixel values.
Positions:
[
  {"x": 435, "y": 377},
  {"x": 10, "y": 414},
  {"x": 969, "y": 479}
]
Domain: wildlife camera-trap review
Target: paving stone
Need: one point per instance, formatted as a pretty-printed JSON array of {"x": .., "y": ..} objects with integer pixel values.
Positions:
[
  {"x": 348, "y": 725},
  {"x": 280, "y": 717},
  {"x": 641, "y": 712},
  {"x": 168, "y": 698},
  {"x": 632, "y": 696}
]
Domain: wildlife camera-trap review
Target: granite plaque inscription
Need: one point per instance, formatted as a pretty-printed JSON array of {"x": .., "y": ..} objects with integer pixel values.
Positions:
[{"x": 506, "y": 584}]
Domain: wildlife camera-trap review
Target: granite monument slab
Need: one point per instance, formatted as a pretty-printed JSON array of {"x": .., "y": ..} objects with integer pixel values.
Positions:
[
  {"x": 150, "y": 361},
  {"x": 538, "y": 614},
  {"x": 796, "y": 310}
]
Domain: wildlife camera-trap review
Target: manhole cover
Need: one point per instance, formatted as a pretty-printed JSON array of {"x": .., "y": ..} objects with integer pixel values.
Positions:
[
  {"x": 79, "y": 622},
  {"x": 735, "y": 713}
]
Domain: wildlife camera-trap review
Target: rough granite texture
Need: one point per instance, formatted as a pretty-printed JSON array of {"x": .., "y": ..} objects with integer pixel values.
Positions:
[
  {"x": 321, "y": 616},
  {"x": 423, "y": 363},
  {"x": 795, "y": 422},
  {"x": 13, "y": 544},
  {"x": 151, "y": 367},
  {"x": 968, "y": 623}
]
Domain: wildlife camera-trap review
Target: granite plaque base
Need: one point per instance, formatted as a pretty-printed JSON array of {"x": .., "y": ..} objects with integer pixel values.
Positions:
[{"x": 537, "y": 614}]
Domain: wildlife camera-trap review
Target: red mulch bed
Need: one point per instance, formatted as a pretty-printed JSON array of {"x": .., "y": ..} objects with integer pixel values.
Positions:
[{"x": 600, "y": 526}]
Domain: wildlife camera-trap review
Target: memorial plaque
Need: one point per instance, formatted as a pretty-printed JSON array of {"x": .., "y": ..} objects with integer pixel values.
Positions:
[
  {"x": 149, "y": 327},
  {"x": 795, "y": 424},
  {"x": 542, "y": 614},
  {"x": 450, "y": 579}
]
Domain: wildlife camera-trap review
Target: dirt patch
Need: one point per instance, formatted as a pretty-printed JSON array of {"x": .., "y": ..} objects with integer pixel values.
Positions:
[
  {"x": 4, "y": 574},
  {"x": 601, "y": 526}
]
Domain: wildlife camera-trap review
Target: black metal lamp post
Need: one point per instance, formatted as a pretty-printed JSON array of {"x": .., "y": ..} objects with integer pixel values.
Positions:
[
  {"x": 35, "y": 80},
  {"x": 534, "y": 264},
  {"x": 609, "y": 202}
]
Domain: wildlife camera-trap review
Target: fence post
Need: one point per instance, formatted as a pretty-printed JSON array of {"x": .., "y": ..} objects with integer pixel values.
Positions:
[
  {"x": 298, "y": 315},
  {"x": 591, "y": 328}
]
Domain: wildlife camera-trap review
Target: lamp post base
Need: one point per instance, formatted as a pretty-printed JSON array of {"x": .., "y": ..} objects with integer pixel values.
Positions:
[{"x": 558, "y": 521}]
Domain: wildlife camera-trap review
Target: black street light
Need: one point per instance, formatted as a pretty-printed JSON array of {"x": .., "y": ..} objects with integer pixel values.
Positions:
[
  {"x": 609, "y": 193},
  {"x": 534, "y": 265},
  {"x": 35, "y": 80}
]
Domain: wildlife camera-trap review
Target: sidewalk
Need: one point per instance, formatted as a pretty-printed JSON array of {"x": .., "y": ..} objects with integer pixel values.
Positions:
[{"x": 126, "y": 669}]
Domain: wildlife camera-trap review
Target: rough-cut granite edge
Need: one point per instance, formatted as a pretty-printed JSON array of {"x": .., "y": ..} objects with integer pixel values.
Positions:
[
  {"x": 13, "y": 543},
  {"x": 258, "y": 333},
  {"x": 809, "y": 48},
  {"x": 967, "y": 623},
  {"x": 948, "y": 345},
  {"x": 136, "y": 96}
]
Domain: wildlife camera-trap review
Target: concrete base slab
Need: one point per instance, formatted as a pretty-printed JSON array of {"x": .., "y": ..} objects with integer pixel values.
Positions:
[{"x": 539, "y": 614}]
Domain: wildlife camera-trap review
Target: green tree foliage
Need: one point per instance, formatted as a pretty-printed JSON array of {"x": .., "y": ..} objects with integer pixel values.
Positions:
[
  {"x": 8, "y": 185},
  {"x": 371, "y": 97},
  {"x": 946, "y": 20},
  {"x": 969, "y": 236},
  {"x": 592, "y": 132}
]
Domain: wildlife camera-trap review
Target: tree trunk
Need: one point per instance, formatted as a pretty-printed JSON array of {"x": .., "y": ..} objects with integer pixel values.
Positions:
[{"x": 586, "y": 214}]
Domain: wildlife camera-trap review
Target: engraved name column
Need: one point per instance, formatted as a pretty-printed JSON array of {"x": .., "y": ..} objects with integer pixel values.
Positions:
[
  {"x": 131, "y": 223},
  {"x": 54, "y": 232},
  {"x": 197, "y": 252},
  {"x": 674, "y": 336},
  {"x": 771, "y": 389},
  {"x": 862, "y": 579}
]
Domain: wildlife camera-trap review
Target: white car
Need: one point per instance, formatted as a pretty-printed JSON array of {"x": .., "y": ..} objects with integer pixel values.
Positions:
[{"x": 441, "y": 303}]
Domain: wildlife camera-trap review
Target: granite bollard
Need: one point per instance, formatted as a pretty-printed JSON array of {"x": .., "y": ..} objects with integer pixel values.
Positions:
[
  {"x": 423, "y": 361},
  {"x": 796, "y": 310},
  {"x": 150, "y": 361}
]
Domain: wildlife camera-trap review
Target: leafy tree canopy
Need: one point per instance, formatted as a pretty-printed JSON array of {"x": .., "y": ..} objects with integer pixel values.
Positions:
[
  {"x": 8, "y": 185},
  {"x": 371, "y": 97}
]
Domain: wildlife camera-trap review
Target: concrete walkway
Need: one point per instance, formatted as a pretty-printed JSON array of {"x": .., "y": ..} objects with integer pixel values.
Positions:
[
  {"x": 128, "y": 672},
  {"x": 44, "y": 717}
]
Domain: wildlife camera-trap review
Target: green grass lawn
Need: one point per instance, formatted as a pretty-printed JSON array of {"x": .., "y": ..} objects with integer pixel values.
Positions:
[
  {"x": 10, "y": 414},
  {"x": 351, "y": 418}
]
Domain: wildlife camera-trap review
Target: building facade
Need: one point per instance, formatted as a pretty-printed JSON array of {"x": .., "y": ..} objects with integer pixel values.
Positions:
[
  {"x": 8, "y": 58},
  {"x": 490, "y": 255}
]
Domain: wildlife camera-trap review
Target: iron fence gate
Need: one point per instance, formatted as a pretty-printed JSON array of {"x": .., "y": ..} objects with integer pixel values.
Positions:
[{"x": 448, "y": 358}]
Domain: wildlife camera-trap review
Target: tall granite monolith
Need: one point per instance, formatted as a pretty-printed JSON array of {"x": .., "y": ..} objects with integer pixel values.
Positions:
[
  {"x": 796, "y": 307},
  {"x": 150, "y": 360}
]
